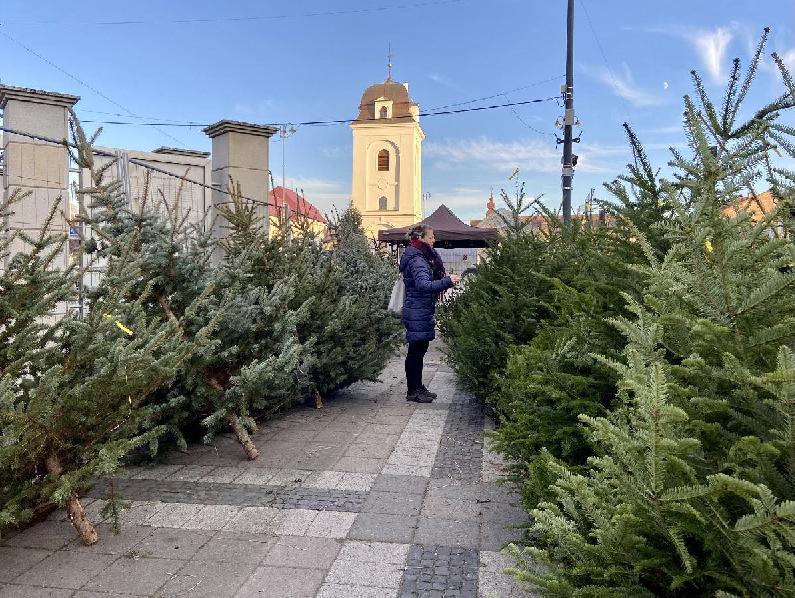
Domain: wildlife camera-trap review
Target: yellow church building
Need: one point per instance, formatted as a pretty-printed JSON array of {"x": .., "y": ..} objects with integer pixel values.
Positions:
[{"x": 387, "y": 158}]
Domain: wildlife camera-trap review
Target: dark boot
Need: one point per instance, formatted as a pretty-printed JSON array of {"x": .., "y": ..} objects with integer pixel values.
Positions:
[
  {"x": 418, "y": 397},
  {"x": 433, "y": 395}
]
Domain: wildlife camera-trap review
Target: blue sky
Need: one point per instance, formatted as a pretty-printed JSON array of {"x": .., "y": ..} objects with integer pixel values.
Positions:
[{"x": 301, "y": 67}]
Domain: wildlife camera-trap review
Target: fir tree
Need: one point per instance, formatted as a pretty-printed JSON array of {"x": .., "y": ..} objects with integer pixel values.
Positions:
[
  {"x": 73, "y": 394},
  {"x": 692, "y": 491}
]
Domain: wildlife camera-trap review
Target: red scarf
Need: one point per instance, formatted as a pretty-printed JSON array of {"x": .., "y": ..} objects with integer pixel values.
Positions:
[{"x": 432, "y": 256}]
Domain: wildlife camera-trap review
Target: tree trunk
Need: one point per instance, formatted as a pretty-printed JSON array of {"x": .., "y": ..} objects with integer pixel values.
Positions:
[
  {"x": 167, "y": 308},
  {"x": 318, "y": 400},
  {"x": 240, "y": 431},
  {"x": 242, "y": 436},
  {"x": 77, "y": 514}
]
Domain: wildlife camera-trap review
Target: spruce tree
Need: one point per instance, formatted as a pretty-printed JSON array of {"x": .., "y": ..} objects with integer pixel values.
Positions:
[
  {"x": 692, "y": 489},
  {"x": 73, "y": 392}
]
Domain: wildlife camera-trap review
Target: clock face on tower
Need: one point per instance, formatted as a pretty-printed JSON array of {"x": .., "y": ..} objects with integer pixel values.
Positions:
[{"x": 381, "y": 183}]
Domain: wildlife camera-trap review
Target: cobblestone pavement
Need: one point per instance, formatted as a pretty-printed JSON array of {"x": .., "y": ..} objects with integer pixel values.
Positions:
[{"x": 370, "y": 496}]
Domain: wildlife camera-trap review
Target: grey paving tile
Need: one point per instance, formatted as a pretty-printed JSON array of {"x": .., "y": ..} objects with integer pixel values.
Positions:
[
  {"x": 302, "y": 552},
  {"x": 331, "y": 524},
  {"x": 93, "y": 594},
  {"x": 139, "y": 512},
  {"x": 441, "y": 507},
  {"x": 254, "y": 520},
  {"x": 110, "y": 543},
  {"x": 369, "y": 450},
  {"x": 336, "y": 590},
  {"x": 364, "y": 552},
  {"x": 208, "y": 580},
  {"x": 282, "y": 582},
  {"x": 174, "y": 515},
  {"x": 15, "y": 561},
  {"x": 19, "y": 591},
  {"x": 190, "y": 473},
  {"x": 383, "y": 528},
  {"x": 293, "y": 522},
  {"x": 379, "y": 575},
  {"x": 170, "y": 543},
  {"x": 433, "y": 570},
  {"x": 321, "y": 499},
  {"x": 47, "y": 535},
  {"x": 231, "y": 547},
  {"x": 212, "y": 517},
  {"x": 447, "y": 532},
  {"x": 142, "y": 576},
  {"x": 493, "y": 583},
  {"x": 300, "y": 435},
  {"x": 222, "y": 474},
  {"x": 393, "y": 503},
  {"x": 400, "y": 483},
  {"x": 155, "y": 471},
  {"x": 66, "y": 569},
  {"x": 359, "y": 464}
]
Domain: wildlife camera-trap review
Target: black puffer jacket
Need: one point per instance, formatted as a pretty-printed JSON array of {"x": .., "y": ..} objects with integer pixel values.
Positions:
[{"x": 419, "y": 304}]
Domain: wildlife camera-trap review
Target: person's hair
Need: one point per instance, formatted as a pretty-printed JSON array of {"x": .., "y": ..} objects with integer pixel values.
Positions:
[{"x": 418, "y": 231}]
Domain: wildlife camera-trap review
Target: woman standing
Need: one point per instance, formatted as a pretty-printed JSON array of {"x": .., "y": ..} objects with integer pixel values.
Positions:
[{"x": 424, "y": 277}]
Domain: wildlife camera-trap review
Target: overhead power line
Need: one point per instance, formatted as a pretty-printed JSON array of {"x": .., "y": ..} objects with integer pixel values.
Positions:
[
  {"x": 500, "y": 93},
  {"x": 79, "y": 81},
  {"x": 240, "y": 19},
  {"x": 340, "y": 121},
  {"x": 99, "y": 152},
  {"x": 601, "y": 50}
]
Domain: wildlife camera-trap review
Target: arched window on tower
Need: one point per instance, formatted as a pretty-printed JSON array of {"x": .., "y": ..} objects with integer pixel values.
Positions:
[
  {"x": 382, "y": 203},
  {"x": 384, "y": 112},
  {"x": 383, "y": 160}
]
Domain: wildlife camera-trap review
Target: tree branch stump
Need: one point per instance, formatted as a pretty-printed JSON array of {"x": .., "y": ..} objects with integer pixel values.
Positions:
[
  {"x": 242, "y": 436},
  {"x": 77, "y": 514}
]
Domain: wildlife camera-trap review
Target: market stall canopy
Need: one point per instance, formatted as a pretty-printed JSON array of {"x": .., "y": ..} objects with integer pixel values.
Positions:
[{"x": 447, "y": 228}]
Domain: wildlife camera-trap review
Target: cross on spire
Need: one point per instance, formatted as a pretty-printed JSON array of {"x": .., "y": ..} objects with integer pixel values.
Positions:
[{"x": 389, "y": 63}]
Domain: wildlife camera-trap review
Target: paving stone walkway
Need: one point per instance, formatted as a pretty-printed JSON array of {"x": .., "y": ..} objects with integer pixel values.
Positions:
[{"x": 370, "y": 496}]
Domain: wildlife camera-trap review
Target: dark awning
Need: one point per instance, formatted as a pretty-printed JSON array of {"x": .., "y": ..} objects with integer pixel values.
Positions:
[{"x": 448, "y": 230}]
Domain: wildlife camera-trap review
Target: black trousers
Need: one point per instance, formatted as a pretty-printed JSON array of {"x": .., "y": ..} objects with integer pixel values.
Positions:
[{"x": 414, "y": 365}]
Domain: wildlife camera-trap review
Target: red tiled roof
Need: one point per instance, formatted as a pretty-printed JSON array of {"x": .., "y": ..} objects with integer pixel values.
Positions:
[
  {"x": 758, "y": 206},
  {"x": 296, "y": 203}
]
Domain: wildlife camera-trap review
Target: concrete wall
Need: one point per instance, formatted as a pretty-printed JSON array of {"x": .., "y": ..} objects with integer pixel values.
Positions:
[
  {"x": 191, "y": 199},
  {"x": 240, "y": 150},
  {"x": 34, "y": 167}
]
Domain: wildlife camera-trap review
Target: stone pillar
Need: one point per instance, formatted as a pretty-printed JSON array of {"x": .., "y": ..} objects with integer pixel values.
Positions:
[
  {"x": 36, "y": 165},
  {"x": 240, "y": 151}
]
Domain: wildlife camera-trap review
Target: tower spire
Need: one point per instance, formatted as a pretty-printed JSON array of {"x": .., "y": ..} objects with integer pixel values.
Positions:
[{"x": 389, "y": 63}]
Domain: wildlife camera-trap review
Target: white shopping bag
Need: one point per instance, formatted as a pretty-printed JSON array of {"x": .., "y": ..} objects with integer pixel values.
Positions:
[{"x": 398, "y": 294}]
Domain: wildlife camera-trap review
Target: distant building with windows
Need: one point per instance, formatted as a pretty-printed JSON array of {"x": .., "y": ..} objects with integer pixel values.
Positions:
[{"x": 387, "y": 158}]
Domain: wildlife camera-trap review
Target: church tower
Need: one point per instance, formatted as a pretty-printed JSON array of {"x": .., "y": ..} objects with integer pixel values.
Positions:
[{"x": 387, "y": 158}]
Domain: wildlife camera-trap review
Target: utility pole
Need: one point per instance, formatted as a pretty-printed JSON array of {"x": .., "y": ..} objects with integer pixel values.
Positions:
[{"x": 568, "y": 121}]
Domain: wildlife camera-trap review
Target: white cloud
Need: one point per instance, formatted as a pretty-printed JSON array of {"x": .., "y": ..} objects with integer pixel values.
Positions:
[
  {"x": 529, "y": 155},
  {"x": 710, "y": 44},
  {"x": 788, "y": 57},
  {"x": 711, "y": 47},
  {"x": 623, "y": 85}
]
